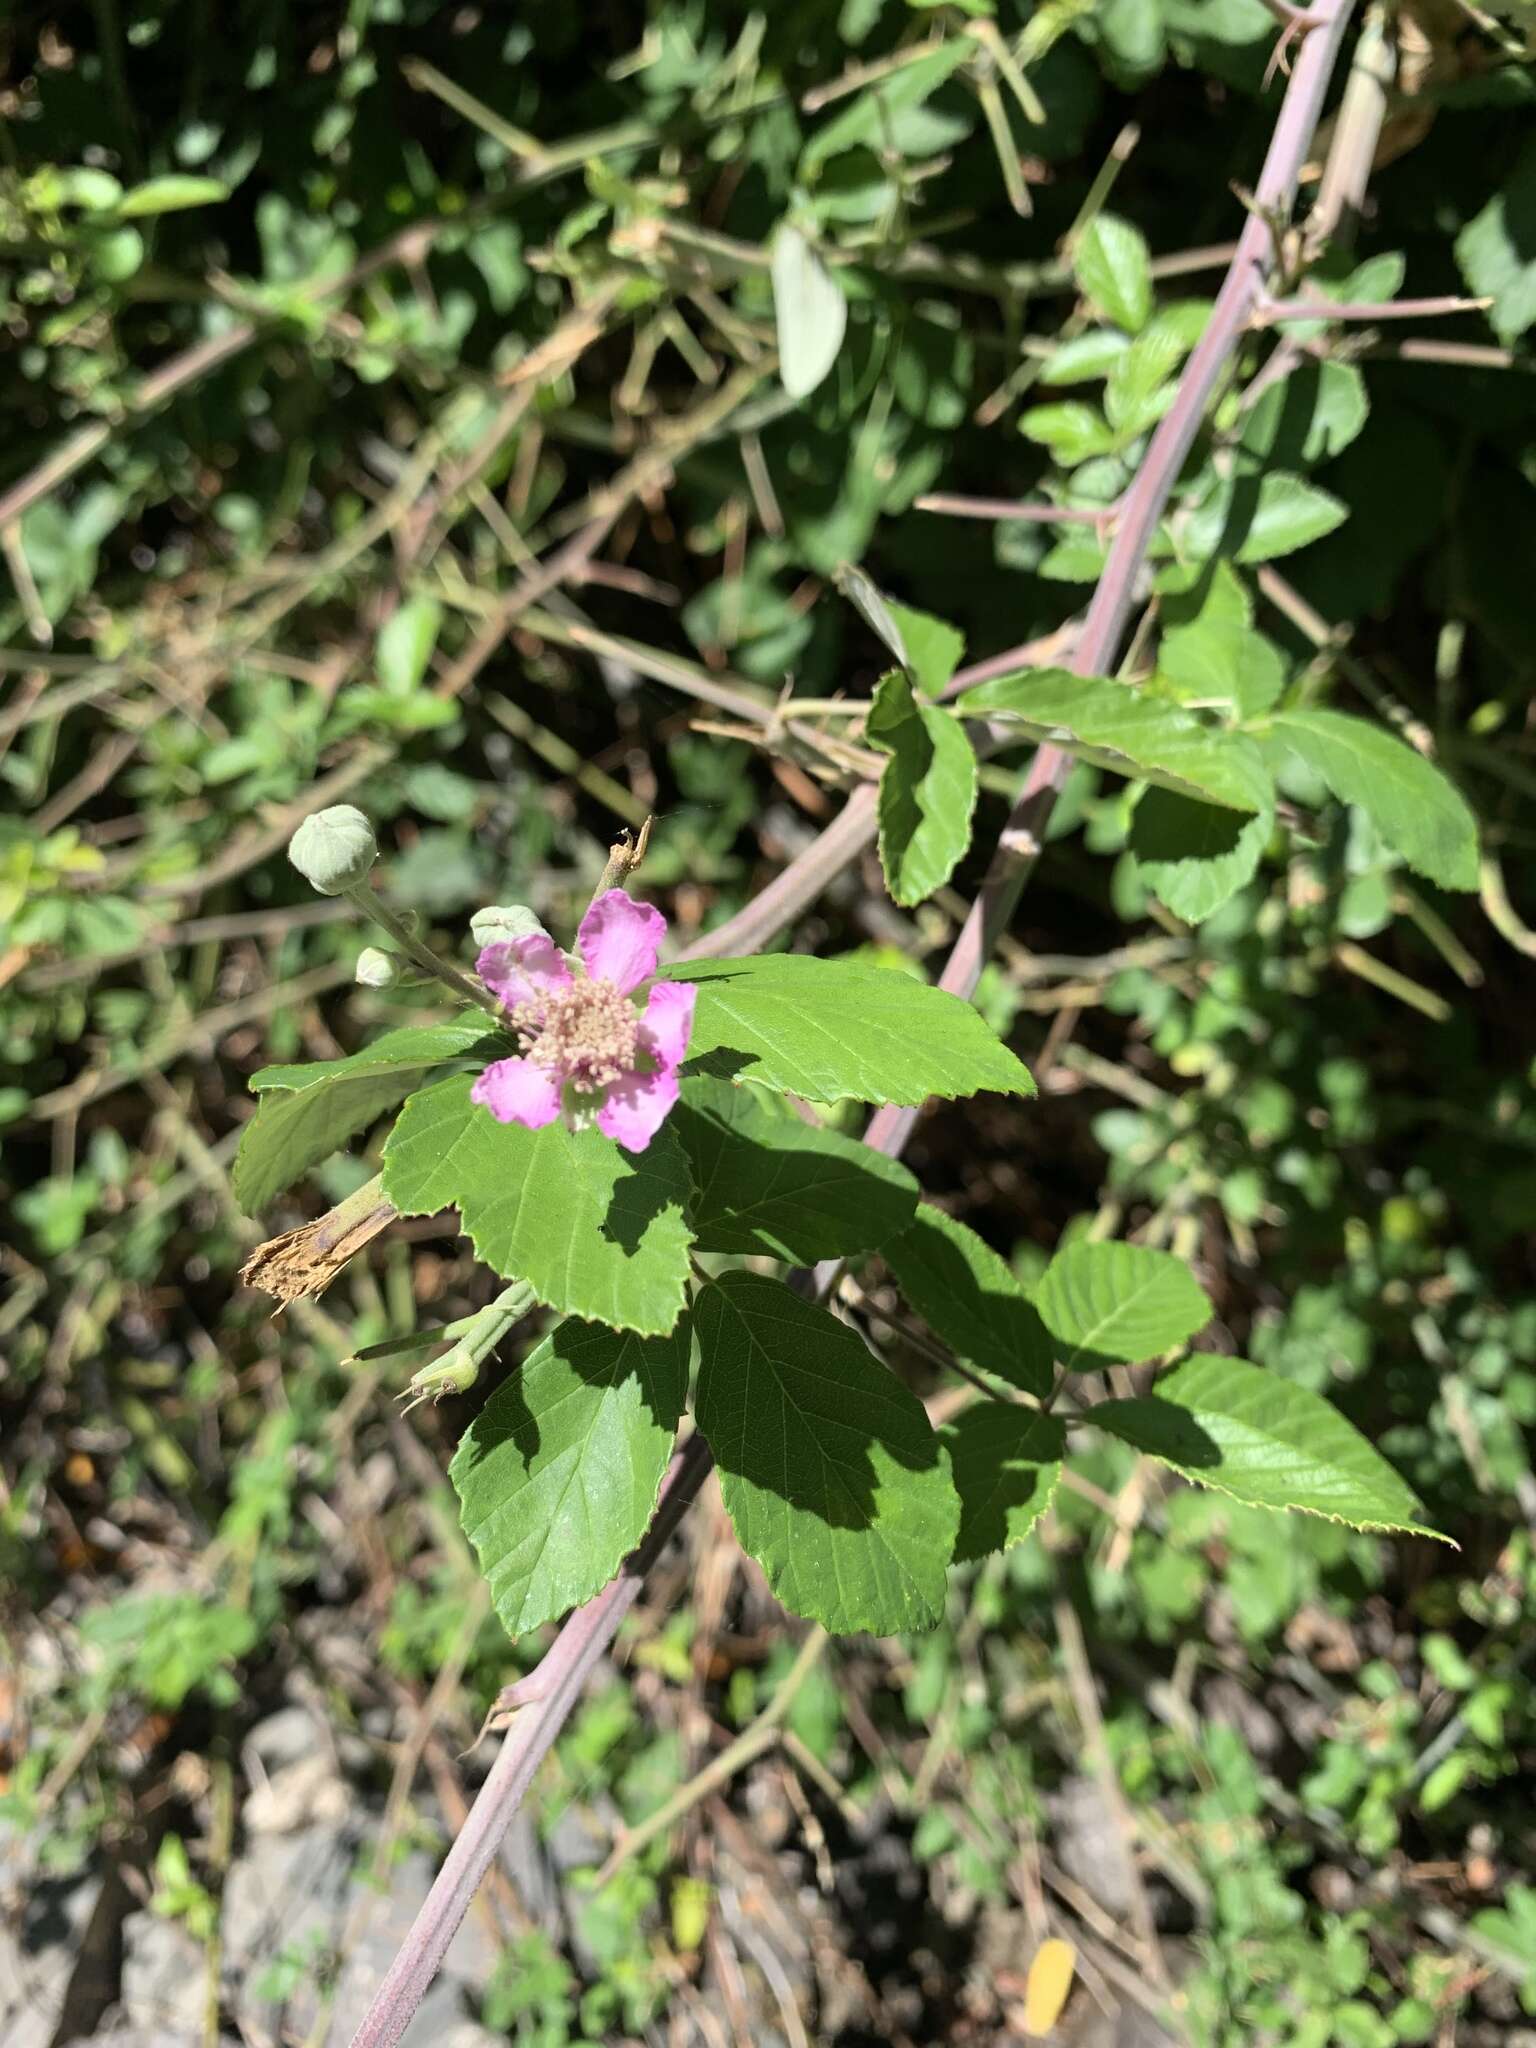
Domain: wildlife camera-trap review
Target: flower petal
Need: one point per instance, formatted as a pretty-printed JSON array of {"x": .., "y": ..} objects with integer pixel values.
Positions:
[
  {"x": 515, "y": 1091},
  {"x": 667, "y": 1022},
  {"x": 520, "y": 970},
  {"x": 619, "y": 939},
  {"x": 636, "y": 1108}
]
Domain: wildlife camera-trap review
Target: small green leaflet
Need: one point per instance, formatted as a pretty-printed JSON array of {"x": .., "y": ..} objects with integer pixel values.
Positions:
[
  {"x": 1265, "y": 1441},
  {"x": 826, "y": 1029},
  {"x": 927, "y": 789},
  {"x": 1113, "y": 268},
  {"x": 558, "y": 1474},
  {"x": 1118, "y": 1303},
  {"x": 829, "y": 1469},
  {"x": 1124, "y": 729},
  {"x": 1006, "y": 1460},
  {"x": 1309, "y": 416},
  {"x": 1194, "y": 856},
  {"x": 970, "y": 1299},
  {"x": 809, "y": 311},
  {"x": 1209, "y": 649},
  {"x": 1496, "y": 255},
  {"x": 1258, "y": 518},
  {"x": 770, "y": 1184},
  {"x": 312, "y": 1109},
  {"x": 934, "y": 647},
  {"x": 1416, "y": 809},
  {"x": 594, "y": 1230}
]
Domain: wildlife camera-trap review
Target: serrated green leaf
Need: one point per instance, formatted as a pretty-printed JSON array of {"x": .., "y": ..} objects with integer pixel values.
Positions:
[
  {"x": 1194, "y": 856},
  {"x": 1209, "y": 649},
  {"x": 927, "y": 789},
  {"x": 1006, "y": 1461},
  {"x": 1417, "y": 810},
  {"x": 933, "y": 647},
  {"x": 768, "y": 1183},
  {"x": 809, "y": 310},
  {"x": 558, "y": 1475},
  {"x": 1265, "y": 1441},
  {"x": 1113, "y": 268},
  {"x": 470, "y": 1035},
  {"x": 968, "y": 1296},
  {"x": 1258, "y": 518},
  {"x": 1497, "y": 251},
  {"x": 829, "y": 1029},
  {"x": 1124, "y": 729},
  {"x": 1072, "y": 430},
  {"x": 294, "y": 1129},
  {"x": 595, "y": 1231},
  {"x": 1117, "y": 1304},
  {"x": 1138, "y": 392},
  {"x": 313, "y": 1108},
  {"x": 829, "y": 1468},
  {"x": 1309, "y": 416}
]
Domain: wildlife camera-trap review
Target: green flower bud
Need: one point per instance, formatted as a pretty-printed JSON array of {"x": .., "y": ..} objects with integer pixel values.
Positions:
[
  {"x": 334, "y": 849},
  {"x": 499, "y": 922},
  {"x": 376, "y": 968}
]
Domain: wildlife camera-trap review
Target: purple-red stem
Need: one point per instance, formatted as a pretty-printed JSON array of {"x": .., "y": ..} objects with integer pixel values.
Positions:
[{"x": 587, "y": 1633}]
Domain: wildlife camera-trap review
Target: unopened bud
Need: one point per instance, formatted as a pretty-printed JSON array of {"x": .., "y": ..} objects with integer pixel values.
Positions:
[
  {"x": 376, "y": 968},
  {"x": 499, "y": 922},
  {"x": 334, "y": 849}
]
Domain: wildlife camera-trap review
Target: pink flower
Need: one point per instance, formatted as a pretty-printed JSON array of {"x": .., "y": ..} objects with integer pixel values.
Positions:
[{"x": 589, "y": 1049}]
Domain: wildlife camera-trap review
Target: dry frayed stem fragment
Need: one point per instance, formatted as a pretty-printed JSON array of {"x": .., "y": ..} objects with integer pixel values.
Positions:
[{"x": 305, "y": 1261}]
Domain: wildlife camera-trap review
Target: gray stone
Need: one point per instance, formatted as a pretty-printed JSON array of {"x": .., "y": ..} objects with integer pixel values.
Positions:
[
  {"x": 1090, "y": 1845},
  {"x": 42, "y": 1927},
  {"x": 164, "y": 1980}
]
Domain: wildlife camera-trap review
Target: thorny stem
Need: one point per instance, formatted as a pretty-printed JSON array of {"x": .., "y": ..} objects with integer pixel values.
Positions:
[{"x": 587, "y": 1633}]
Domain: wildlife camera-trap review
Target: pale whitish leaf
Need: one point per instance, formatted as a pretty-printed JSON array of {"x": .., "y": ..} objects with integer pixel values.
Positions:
[
  {"x": 768, "y": 1183},
  {"x": 310, "y": 1110},
  {"x": 1257, "y": 518},
  {"x": 829, "y": 1029},
  {"x": 1006, "y": 1460},
  {"x": 1115, "y": 726},
  {"x": 558, "y": 1475},
  {"x": 595, "y": 1231},
  {"x": 1416, "y": 809},
  {"x": 1309, "y": 416},
  {"x": 968, "y": 1296},
  {"x": 927, "y": 789},
  {"x": 1497, "y": 251},
  {"x": 1118, "y": 1303},
  {"x": 933, "y": 647},
  {"x": 829, "y": 1468},
  {"x": 1265, "y": 1441},
  {"x": 405, "y": 644},
  {"x": 809, "y": 310},
  {"x": 870, "y": 602},
  {"x": 1194, "y": 856},
  {"x": 1113, "y": 268}
]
